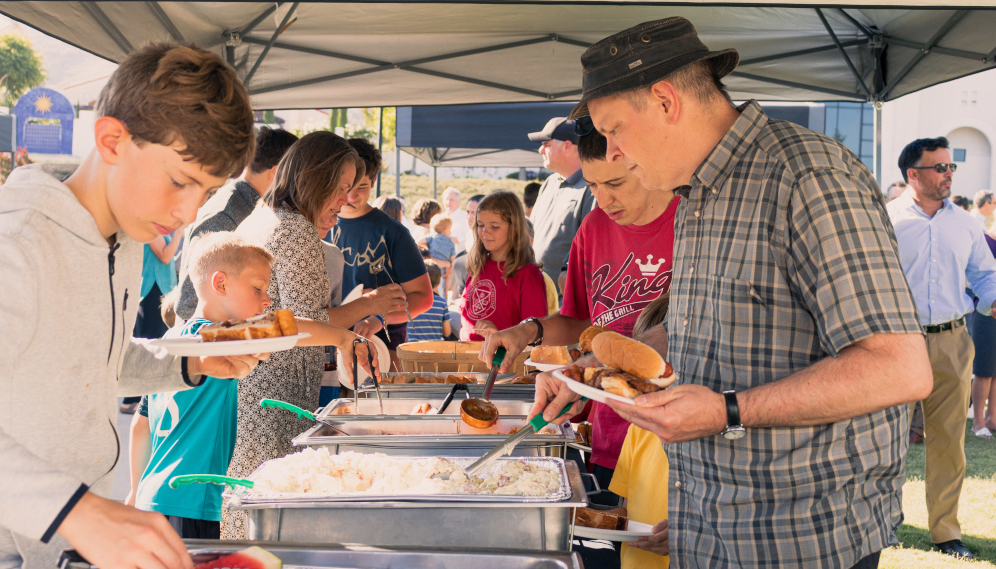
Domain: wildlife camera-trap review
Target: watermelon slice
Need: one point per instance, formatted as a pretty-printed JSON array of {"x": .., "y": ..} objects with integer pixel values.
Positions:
[{"x": 254, "y": 557}]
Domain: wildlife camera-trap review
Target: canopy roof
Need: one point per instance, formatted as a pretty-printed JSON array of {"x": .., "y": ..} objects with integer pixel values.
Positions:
[{"x": 369, "y": 53}]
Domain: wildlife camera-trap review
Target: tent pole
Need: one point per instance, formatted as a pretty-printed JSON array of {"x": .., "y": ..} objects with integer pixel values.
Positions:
[
  {"x": 380, "y": 145},
  {"x": 397, "y": 169},
  {"x": 435, "y": 188},
  {"x": 878, "y": 142}
]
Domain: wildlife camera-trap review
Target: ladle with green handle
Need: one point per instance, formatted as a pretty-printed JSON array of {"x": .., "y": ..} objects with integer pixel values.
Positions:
[
  {"x": 178, "y": 481},
  {"x": 301, "y": 413}
]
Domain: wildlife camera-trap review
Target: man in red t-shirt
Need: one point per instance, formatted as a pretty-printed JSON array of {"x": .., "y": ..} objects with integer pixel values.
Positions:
[{"x": 620, "y": 261}]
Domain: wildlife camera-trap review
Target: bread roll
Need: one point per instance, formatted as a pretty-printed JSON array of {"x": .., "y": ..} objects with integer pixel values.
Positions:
[
  {"x": 288, "y": 325},
  {"x": 261, "y": 326},
  {"x": 589, "y": 518},
  {"x": 637, "y": 358},
  {"x": 557, "y": 355},
  {"x": 588, "y": 335}
]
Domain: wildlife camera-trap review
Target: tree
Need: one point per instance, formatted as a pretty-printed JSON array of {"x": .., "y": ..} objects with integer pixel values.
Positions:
[{"x": 20, "y": 67}]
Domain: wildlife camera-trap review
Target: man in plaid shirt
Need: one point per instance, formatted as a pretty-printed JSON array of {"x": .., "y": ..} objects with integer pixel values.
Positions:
[{"x": 792, "y": 328}]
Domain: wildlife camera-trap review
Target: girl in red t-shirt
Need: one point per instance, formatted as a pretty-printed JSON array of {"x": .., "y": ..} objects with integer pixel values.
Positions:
[{"x": 504, "y": 285}]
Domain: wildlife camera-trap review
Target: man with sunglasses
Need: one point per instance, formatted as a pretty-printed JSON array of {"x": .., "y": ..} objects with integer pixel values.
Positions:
[{"x": 942, "y": 250}]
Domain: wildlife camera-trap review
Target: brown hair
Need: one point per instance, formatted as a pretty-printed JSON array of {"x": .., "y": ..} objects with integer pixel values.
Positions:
[
  {"x": 435, "y": 274},
  {"x": 223, "y": 251},
  {"x": 166, "y": 93},
  {"x": 424, "y": 210},
  {"x": 441, "y": 222},
  {"x": 390, "y": 205},
  {"x": 509, "y": 207},
  {"x": 699, "y": 80},
  {"x": 369, "y": 154},
  {"x": 310, "y": 173}
]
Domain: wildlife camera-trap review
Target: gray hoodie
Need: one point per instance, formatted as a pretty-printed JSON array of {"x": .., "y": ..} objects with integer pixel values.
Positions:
[{"x": 67, "y": 309}]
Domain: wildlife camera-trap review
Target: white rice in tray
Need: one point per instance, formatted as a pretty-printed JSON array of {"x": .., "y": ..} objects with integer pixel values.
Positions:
[{"x": 316, "y": 471}]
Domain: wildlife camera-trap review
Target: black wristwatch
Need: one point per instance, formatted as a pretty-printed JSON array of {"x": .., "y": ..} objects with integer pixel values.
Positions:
[
  {"x": 734, "y": 428},
  {"x": 539, "y": 333}
]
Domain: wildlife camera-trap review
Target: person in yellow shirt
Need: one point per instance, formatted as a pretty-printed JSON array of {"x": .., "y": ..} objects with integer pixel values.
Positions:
[{"x": 642, "y": 465}]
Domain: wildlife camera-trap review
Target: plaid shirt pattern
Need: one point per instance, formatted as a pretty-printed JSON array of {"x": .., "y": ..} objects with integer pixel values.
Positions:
[{"x": 784, "y": 256}]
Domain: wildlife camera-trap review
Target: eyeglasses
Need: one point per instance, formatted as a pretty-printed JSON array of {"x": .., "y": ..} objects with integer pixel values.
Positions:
[
  {"x": 941, "y": 168},
  {"x": 583, "y": 126}
]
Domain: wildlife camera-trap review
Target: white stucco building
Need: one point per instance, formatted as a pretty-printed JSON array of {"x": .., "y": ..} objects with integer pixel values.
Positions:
[{"x": 961, "y": 110}]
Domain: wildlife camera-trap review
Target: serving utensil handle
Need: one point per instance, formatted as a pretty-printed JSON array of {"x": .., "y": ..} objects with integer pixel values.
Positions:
[
  {"x": 177, "y": 481},
  {"x": 301, "y": 413}
]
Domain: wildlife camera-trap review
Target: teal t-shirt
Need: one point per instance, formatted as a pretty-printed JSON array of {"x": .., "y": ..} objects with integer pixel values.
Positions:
[{"x": 193, "y": 432}]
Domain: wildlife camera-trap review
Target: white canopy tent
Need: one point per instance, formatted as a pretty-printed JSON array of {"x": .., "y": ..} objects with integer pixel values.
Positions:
[{"x": 367, "y": 53}]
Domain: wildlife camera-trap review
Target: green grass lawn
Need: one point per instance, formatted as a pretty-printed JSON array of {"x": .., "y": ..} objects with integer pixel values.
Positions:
[{"x": 977, "y": 512}]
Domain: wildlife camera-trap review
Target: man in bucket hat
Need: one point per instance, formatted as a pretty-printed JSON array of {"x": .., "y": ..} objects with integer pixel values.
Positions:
[{"x": 792, "y": 329}]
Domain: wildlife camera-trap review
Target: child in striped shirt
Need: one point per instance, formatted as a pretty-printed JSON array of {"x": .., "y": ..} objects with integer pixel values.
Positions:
[{"x": 433, "y": 324}]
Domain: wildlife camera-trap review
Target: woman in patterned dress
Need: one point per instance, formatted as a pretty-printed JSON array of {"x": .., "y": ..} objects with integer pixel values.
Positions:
[{"x": 298, "y": 209}]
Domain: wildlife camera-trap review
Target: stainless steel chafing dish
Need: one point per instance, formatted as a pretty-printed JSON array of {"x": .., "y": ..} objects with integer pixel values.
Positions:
[
  {"x": 470, "y": 521},
  {"x": 335, "y": 556},
  {"x": 518, "y": 391},
  {"x": 442, "y": 435},
  {"x": 348, "y": 409}
]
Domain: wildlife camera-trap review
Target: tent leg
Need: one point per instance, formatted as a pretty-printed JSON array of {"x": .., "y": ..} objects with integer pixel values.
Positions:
[
  {"x": 380, "y": 145},
  {"x": 435, "y": 188},
  {"x": 878, "y": 142},
  {"x": 397, "y": 170}
]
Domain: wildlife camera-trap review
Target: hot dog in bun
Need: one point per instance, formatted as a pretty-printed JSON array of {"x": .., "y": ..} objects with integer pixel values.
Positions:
[{"x": 632, "y": 368}]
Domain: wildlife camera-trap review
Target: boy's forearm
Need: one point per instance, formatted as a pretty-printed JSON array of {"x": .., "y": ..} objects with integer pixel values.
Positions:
[
  {"x": 139, "y": 449},
  {"x": 346, "y": 315},
  {"x": 324, "y": 335}
]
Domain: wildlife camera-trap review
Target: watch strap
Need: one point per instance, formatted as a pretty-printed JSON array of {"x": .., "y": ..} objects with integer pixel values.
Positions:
[
  {"x": 539, "y": 331},
  {"x": 732, "y": 410}
]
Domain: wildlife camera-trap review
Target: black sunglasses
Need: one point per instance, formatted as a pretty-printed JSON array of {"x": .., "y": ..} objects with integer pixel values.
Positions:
[
  {"x": 941, "y": 168},
  {"x": 583, "y": 126}
]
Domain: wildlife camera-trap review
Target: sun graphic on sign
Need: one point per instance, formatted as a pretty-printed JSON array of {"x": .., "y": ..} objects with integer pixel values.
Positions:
[{"x": 43, "y": 104}]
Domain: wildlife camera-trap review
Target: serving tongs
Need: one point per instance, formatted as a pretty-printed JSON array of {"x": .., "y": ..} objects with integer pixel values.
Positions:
[
  {"x": 373, "y": 374},
  {"x": 449, "y": 397},
  {"x": 301, "y": 413},
  {"x": 380, "y": 268}
]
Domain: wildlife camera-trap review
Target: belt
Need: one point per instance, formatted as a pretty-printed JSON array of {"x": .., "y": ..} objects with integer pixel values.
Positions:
[{"x": 944, "y": 327}]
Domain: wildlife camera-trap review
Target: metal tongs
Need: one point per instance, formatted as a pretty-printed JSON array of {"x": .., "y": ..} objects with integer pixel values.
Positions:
[
  {"x": 373, "y": 374},
  {"x": 380, "y": 268}
]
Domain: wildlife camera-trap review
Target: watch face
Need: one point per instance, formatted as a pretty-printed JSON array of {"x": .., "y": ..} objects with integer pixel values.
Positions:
[{"x": 734, "y": 433}]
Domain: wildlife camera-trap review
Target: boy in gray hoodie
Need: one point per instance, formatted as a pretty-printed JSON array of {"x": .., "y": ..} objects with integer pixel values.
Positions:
[{"x": 175, "y": 122}]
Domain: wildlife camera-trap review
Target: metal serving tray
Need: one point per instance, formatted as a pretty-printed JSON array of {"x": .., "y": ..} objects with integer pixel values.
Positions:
[
  {"x": 521, "y": 392},
  {"x": 394, "y": 408},
  {"x": 508, "y": 524},
  {"x": 335, "y": 556},
  {"x": 445, "y": 435}
]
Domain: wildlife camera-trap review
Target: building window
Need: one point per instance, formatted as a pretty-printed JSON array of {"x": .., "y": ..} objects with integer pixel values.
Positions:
[{"x": 959, "y": 154}]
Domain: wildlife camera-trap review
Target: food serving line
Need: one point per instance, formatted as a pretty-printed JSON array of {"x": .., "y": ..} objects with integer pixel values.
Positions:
[{"x": 446, "y": 529}]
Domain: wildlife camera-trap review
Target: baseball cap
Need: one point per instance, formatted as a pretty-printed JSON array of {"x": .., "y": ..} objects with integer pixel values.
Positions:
[{"x": 558, "y": 128}]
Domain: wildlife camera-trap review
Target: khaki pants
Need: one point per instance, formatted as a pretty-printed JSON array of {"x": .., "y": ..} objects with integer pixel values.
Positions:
[{"x": 945, "y": 411}]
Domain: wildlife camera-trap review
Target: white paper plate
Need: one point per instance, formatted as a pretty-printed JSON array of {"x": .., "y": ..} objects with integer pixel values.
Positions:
[
  {"x": 633, "y": 531},
  {"x": 543, "y": 367},
  {"x": 383, "y": 360},
  {"x": 590, "y": 392},
  {"x": 194, "y": 346}
]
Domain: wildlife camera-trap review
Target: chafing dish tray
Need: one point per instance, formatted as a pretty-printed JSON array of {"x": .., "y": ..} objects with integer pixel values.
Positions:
[
  {"x": 445, "y": 435},
  {"x": 502, "y": 522},
  {"x": 346, "y": 409},
  {"x": 335, "y": 556},
  {"x": 518, "y": 391}
]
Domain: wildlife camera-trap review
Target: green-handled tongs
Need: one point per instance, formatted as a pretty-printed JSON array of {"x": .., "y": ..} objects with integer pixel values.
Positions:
[
  {"x": 178, "y": 481},
  {"x": 301, "y": 413}
]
